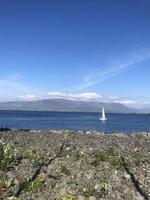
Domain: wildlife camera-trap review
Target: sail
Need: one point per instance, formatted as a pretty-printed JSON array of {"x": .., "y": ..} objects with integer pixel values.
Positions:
[
  {"x": 103, "y": 113},
  {"x": 103, "y": 117}
]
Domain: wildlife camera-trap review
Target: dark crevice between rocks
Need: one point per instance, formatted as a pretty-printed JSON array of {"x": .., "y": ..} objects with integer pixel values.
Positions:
[
  {"x": 53, "y": 177},
  {"x": 134, "y": 180},
  {"x": 24, "y": 184}
]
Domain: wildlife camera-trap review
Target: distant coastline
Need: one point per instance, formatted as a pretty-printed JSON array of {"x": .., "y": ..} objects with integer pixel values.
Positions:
[
  {"x": 53, "y": 111},
  {"x": 65, "y": 105}
]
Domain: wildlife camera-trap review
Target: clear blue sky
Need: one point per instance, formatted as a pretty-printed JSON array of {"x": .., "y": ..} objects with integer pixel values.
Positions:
[{"x": 75, "y": 46}]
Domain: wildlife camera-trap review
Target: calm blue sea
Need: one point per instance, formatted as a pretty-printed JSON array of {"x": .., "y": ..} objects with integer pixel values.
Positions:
[{"x": 74, "y": 121}]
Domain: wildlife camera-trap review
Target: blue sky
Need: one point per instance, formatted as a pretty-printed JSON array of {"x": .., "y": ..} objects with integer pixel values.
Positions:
[{"x": 75, "y": 48}]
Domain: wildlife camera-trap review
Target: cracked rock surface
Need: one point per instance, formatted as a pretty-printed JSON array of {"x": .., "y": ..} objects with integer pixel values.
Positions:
[{"x": 67, "y": 165}]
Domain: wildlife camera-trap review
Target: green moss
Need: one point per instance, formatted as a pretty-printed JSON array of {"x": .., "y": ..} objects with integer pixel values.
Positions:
[
  {"x": 99, "y": 157},
  {"x": 65, "y": 170},
  {"x": 7, "y": 155},
  {"x": 37, "y": 184},
  {"x": 28, "y": 154},
  {"x": 104, "y": 188},
  {"x": 117, "y": 162},
  {"x": 5, "y": 183},
  {"x": 110, "y": 156},
  {"x": 88, "y": 189}
]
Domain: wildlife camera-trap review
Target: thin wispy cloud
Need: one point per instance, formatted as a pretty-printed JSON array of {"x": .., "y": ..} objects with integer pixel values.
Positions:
[
  {"x": 10, "y": 88},
  {"x": 115, "y": 69},
  {"x": 13, "y": 86}
]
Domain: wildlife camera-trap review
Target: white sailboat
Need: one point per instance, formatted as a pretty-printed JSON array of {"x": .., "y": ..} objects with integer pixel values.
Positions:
[{"x": 103, "y": 117}]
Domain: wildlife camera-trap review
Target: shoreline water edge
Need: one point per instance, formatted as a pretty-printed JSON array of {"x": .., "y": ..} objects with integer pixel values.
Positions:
[{"x": 74, "y": 165}]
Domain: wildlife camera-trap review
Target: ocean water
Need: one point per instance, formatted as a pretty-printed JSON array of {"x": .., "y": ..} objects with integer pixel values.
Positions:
[{"x": 75, "y": 121}]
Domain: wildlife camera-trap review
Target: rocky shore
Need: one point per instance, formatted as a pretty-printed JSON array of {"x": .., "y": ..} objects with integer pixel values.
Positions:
[{"x": 67, "y": 165}]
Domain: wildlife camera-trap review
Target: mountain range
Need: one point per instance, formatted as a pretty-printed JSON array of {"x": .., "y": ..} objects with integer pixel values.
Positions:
[{"x": 65, "y": 105}]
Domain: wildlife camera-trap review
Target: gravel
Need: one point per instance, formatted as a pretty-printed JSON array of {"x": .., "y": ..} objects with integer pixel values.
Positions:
[{"x": 68, "y": 165}]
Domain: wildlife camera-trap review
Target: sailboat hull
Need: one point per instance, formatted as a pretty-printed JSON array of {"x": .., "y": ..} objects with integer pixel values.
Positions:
[{"x": 103, "y": 119}]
